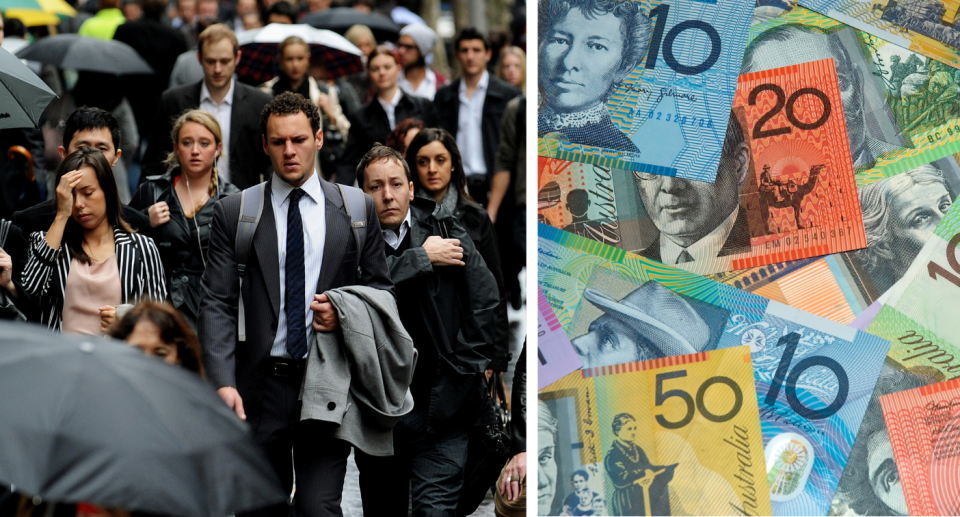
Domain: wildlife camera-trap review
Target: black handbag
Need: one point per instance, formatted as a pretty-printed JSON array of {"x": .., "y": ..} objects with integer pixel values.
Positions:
[{"x": 488, "y": 449}]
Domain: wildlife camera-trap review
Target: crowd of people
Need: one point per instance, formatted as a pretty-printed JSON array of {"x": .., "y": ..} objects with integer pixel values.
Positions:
[{"x": 231, "y": 229}]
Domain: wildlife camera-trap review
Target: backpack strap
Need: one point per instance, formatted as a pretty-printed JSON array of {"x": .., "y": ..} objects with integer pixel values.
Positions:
[
  {"x": 357, "y": 210},
  {"x": 251, "y": 208}
]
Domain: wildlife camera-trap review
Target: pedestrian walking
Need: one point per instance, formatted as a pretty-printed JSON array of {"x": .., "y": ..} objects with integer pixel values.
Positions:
[
  {"x": 377, "y": 118},
  {"x": 447, "y": 298},
  {"x": 435, "y": 157},
  {"x": 90, "y": 260},
  {"x": 180, "y": 205},
  {"x": 235, "y": 106},
  {"x": 303, "y": 245}
]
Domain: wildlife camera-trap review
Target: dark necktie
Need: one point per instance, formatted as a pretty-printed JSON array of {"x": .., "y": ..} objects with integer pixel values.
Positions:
[
  {"x": 294, "y": 280},
  {"x": 684, "y": 257}
]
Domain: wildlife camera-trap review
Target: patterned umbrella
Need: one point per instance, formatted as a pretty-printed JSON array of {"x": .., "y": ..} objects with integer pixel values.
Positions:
[
  {"x": 37, "y": 12},
  {"x": 258, "y": 58}
]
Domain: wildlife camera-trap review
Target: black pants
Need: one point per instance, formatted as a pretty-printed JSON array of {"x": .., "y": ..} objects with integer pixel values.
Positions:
[
  {"x": 320, "y": 463},
  {"x": 428, "y": 466}
]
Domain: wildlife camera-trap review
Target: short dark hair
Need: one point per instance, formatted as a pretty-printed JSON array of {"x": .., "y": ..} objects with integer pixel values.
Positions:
[
  {"x": 87, "y": 119},
  {"x": 378, "y": 153},
  {"x": 14, "y": 28},
  {"x": 153, "y": 9},
  {"x": 290, "y": 103},
  {"x": 281, "y": 8},
  {"x": 582, "y": 473},
  {"x": 470, "y": 33},
  {"x": 458, "y": 178}
]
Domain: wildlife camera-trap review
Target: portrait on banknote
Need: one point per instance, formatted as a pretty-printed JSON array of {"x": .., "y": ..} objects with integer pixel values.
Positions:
[
  {"x": 640, "y": 487},
  {"x": 586, "y": 48},
  {"x": 565, "y": 486},
  {"x": 787, "y": 45},
  {"x": 623, "y": 323},
  {"x": 870, "y": 484}
]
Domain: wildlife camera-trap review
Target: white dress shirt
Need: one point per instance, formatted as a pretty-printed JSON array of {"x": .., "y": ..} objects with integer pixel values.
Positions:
[
  {"x": 427, "y": 88},
  {"x": 393, "y": 240},
  {"x": 391, "y": 107},
  {"x": 222, "y": 112},
  {"x": 705, "y": 249},
  {"x": 469, "y": 126},
  {"x": 313, "y": 214}
]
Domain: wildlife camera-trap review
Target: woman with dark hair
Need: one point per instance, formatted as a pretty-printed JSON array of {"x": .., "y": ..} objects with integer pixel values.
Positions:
[
  {"x": 374, "y": 121},
  {"x": 403, "y": 134},
  {"x": 438, "y": 175},
  {"x": 162, "y": 332},
  {"x": 180, "y": 206},
  {"x": 89, "y": 261}
]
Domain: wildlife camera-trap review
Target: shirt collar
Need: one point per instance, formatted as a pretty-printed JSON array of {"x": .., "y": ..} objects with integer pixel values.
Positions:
[
  {"x": 405, "y": 225},
  {"x": 481, "y": 84},
  {"x": 705, "y": 249},
  {"x": 311, "y": 187},
  {"x": 205, "y": 92},
  {"x": 394, "y": 101}
]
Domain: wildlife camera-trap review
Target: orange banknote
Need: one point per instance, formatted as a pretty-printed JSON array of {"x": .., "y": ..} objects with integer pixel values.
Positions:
[
  {"x": 924, "y": 428},
  {"x": 785, "y": 187}
]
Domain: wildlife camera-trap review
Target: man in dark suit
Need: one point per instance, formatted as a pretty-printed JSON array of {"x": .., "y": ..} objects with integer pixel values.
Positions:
[
  {"x": 471, "y": 109},
  {"x": 158, "y": 45},
  {"x": 303, "y": 246},
  {"x": 236, "y": 107},
  {"x": 700, "y": 221}
]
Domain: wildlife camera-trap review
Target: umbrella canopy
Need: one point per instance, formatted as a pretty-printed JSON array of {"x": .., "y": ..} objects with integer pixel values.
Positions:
[
  {"x": 339, "y": 19},
  {"x": 258, "y": 60},
  {"x": 87, "y": 419},
  {"x": 32, "y": 17},
  {"x": 37, "y": 12},
  {"x": 92, "y": 54},
  {"x": 23, "y": 96}
]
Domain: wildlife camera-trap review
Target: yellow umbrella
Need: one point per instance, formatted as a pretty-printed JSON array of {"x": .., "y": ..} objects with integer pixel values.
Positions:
[
  {"x": 58, "y": 7},
  {"x": 32, "y": 17}
]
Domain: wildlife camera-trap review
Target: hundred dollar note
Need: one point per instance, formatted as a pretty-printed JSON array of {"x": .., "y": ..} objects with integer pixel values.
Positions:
[
  {"x": 813, "y": 376},
  {"x": 640, "y": 85},
  {"x": 785, "y": 187},
  {"x": 555, "y": 355},
  {"x": 673, "y": 436},
  {"x": 923, "y": 26},
  {"x": 924, "y": 427},
  {"x": 923, "y": 351}
]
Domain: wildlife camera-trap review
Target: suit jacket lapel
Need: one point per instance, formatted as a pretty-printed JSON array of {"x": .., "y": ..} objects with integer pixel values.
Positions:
[
  {"x": 129, "y": 274},
  {"x": 266, "y": 246},
  {"x": 235, "y": 123},
  {"x": 338, "y": 235}
]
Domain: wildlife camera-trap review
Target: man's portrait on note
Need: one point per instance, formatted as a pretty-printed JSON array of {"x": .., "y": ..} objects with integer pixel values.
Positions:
[{"x": 586, "y": 48}]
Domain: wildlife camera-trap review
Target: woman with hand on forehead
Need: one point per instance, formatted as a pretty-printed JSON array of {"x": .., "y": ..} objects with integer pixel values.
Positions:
[
  {"x": 180, "y": 205},
  {"x": 90, "y": 260}
]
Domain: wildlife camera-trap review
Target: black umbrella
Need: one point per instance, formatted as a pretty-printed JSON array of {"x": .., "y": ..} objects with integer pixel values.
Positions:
[
  {"x": 339, "y": 19},
  {"x": 83, "y": 53},
  {"x": 86, "y": 419}
]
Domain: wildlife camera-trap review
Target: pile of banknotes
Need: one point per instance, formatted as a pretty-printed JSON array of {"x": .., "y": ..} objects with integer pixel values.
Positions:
[{"x": 749, "y": 281}]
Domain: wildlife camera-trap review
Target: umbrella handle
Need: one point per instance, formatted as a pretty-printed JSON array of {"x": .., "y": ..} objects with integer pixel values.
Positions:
[{"x": 19, "y": 149}]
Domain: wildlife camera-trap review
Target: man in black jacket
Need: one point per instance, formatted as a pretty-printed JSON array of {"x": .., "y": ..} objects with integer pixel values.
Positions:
[
  {"x": 471, "y": 109},
  {"x": 236, "y": 106},
  {"x": 447, "y": 299}
]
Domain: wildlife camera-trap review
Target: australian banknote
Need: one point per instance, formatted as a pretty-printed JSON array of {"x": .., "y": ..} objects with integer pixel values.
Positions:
[
  {"x": 811, "y": 387},
  {"x": 919, "y": 320},
  {"x": 555, "y": 355},
  {"x": 672, "y": 436},
  {"x": 641, "y": 86},
  {"x": 901, "y": 108},
  {"x": 919, "y": 25},
  {"x": 785, "y": 189},
  {"x": 923, "y": 426}
]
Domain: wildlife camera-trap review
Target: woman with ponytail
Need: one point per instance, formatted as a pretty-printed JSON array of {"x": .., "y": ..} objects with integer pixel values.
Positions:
[{"x": 180, "y": 205}]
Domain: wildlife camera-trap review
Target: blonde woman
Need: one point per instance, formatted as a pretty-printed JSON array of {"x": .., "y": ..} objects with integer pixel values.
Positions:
[
  {"x": 512, "y": 67},
  {"x": 180, "y": 205}
]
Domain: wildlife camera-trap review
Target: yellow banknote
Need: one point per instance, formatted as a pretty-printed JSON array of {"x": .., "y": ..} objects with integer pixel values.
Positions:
[{"x": 673, "y": 436}]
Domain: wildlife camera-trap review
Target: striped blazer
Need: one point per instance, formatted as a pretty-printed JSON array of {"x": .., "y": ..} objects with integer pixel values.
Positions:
[{"x": 45, "y": 275}]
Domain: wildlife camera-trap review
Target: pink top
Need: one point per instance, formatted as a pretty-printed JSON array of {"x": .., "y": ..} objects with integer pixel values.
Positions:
[{"x": 89, "y": 287}]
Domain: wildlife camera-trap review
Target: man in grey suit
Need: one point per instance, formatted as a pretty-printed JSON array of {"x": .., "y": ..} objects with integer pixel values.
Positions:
[{"x": 303, "y": 246}]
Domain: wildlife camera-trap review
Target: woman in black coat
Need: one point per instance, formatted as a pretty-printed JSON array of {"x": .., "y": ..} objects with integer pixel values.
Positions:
[
  {"x": 435, "y": 160},
  {"x": 180, "y": 206},
  {"x": 371, "y": 124}
]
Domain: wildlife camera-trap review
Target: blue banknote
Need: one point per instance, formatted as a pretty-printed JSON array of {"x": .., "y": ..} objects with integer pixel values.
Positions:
[
  {"x": 813, "y": 377},
  {"x": 640, "y": 86}
]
